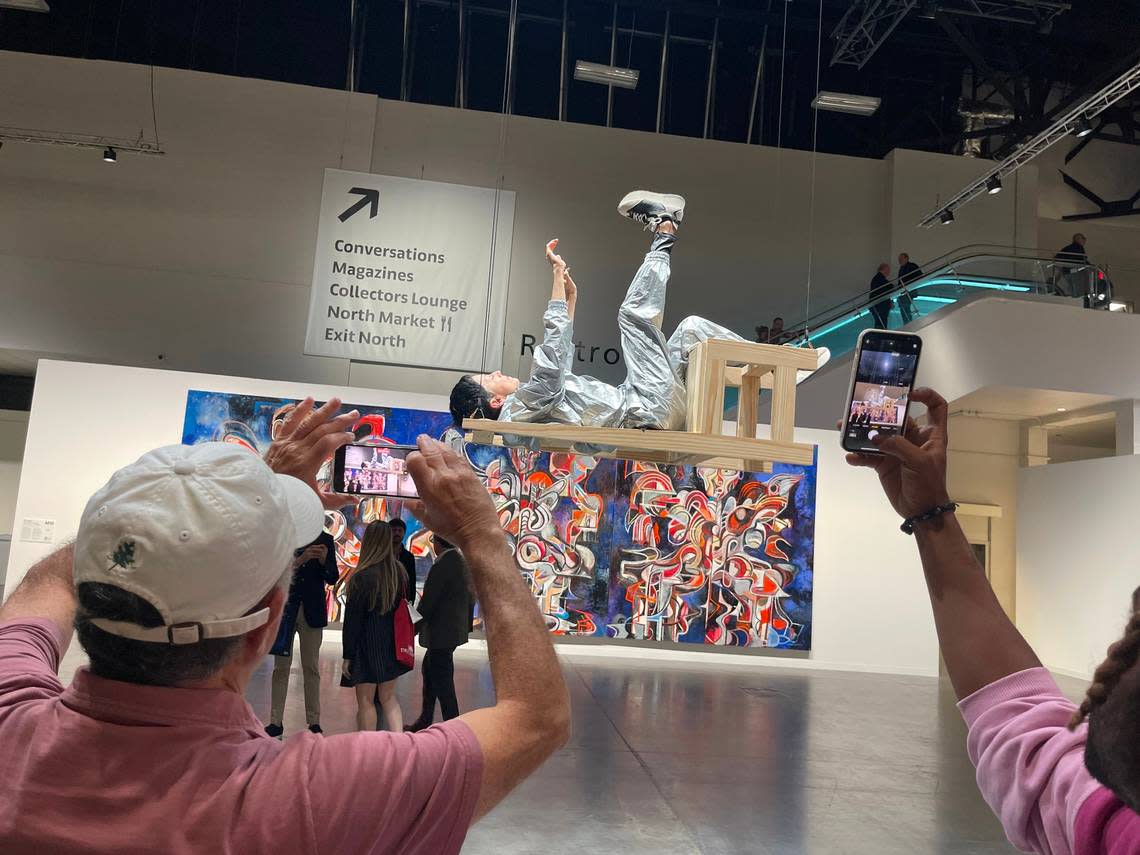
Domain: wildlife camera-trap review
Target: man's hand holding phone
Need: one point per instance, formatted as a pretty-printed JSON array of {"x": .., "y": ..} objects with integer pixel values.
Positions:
[{"x": 912, "y": 467}]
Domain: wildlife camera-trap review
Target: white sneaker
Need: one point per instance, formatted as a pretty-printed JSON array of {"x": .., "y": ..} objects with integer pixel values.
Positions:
[{"x": 651, "y": 209}]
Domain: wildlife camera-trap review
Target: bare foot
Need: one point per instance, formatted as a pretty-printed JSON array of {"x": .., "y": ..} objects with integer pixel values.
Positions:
[
  {"x": 554, "y": 259},
  {"x": 666, "y": 227}
]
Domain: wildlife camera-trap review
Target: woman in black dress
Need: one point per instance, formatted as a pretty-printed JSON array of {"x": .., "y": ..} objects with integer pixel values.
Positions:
[{"x": 374, "y": 593}]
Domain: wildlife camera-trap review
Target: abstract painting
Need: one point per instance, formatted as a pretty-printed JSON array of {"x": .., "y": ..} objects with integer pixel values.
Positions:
[{"x": 610, "y": 548}]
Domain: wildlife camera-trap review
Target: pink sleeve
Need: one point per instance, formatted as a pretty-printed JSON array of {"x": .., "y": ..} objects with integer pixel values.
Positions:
[
  {"x": 1031, "y": 768},
  {"x": 29, "y": 658},
  {"x": 413, "y": 794}
]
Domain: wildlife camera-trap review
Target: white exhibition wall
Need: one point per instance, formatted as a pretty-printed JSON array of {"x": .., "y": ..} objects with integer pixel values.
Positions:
[
  {"x": 870, "y": 606},
  {"x": 202, "y": 259},
  {"x": 1078, "y": 558}
]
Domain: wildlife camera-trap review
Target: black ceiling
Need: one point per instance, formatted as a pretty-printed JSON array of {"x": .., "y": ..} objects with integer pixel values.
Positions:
[{"x": 918, "y": 72}]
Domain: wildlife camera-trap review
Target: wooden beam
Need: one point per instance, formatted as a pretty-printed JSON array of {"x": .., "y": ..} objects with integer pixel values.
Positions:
[
  {"x": 753, "y": 354},
  {"x": 676, "y": 447}
]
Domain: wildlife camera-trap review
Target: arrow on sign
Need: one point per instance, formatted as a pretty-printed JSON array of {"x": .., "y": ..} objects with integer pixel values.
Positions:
[{"x": 368, "y": 197}]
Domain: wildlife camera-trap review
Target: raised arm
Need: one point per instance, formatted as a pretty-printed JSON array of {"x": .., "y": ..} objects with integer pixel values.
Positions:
[
  {"x": 47, "y": 591},
  {"x": 979, "y": 643},
  {"x": 531, "y": 716}
]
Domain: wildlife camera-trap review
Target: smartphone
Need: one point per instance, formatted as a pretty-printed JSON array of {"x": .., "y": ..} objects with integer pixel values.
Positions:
[
  {"x": 374, "y": 470},
  {"x": 882, "y": 379}
]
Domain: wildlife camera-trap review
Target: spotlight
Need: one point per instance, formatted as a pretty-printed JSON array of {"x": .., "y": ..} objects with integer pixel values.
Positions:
[
  {"x": 109, "y": 155},
  {"x": 946, "y": 217},
  {"x": 1083, "y": 128},
  {"x": 993, "y": 186}
]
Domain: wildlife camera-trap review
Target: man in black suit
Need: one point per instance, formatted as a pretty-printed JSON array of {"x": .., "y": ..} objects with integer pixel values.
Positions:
[
  {"x": 881, "y": 304},
  {"x": 909, "y": 272},
  {"x": 399, "y": 532},
  {"x": 446, "y": 607},
  {"x": 305, "y": 614}
]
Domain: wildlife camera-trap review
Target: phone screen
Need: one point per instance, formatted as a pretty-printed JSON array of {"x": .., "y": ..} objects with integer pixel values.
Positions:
[
  {"x": 885, "y": 369},
  {"x": 374, "y": 470}
]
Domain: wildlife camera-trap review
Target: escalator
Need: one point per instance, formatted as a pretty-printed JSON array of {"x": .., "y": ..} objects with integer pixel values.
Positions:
[
  {"x": 943, "y": 282},
  {"x": 946, "y": 280}
]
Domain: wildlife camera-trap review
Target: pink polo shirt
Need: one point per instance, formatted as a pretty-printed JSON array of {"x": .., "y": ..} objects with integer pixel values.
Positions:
[{"x": 105, "y": 766}]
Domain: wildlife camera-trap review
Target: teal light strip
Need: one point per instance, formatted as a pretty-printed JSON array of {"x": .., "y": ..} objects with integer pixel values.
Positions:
[
  {"x": 931, "y": 283},
  {"x": 973, "y": 283},
  {"x": 842, "y": 323}
]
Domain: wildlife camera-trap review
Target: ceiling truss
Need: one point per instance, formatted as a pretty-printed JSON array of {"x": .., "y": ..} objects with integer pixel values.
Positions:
[{"x": 869, "y": 23}]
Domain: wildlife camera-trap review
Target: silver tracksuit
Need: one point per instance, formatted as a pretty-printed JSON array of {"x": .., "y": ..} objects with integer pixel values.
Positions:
[{"x": 653, "y": 394}]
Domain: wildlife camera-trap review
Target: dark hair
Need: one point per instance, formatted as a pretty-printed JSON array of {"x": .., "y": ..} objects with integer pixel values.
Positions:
[
  {"x": 147, "y": 663},
  {"x": 397, "y": 521},
  {"x": 469, "y": 398},
  {"x": 1112, "y": 707}
]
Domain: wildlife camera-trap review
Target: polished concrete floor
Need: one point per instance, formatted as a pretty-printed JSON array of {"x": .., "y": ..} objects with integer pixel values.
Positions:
[{"x": 720, "y": 759}]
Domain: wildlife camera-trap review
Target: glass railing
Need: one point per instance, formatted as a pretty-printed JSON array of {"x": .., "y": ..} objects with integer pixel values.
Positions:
[{"x": 943, "y": 282}]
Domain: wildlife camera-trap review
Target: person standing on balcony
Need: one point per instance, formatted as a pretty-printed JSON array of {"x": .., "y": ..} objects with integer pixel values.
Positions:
[
  {"x": 1069, "y": 281},
  {"x": 909, "y": 272},
  {"x": 881, "y": 303}
]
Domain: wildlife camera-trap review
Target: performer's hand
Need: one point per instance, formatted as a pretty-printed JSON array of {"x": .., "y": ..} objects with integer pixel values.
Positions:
[
  {"x": 912, "y": 468},
  {"x": 305, "y": 440},
  {"x": 453, "y": 502},
  {"x": 555, "y": 260}
]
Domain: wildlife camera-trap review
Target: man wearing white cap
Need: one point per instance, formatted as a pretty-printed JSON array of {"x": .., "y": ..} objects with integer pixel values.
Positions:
[{"x": 175, "y": 587}]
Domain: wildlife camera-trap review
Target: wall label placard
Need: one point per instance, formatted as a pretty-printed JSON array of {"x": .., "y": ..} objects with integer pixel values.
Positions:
[
  {"x": 37, "y": 530},
  {"x": 410, "y": 272}
]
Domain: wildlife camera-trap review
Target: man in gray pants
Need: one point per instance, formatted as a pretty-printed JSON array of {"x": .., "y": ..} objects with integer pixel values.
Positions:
[{"x": 653, "y": 393}]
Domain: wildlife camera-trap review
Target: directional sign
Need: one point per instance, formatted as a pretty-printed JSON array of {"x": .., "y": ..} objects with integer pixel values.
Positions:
[{"x": 410, "y": 272}]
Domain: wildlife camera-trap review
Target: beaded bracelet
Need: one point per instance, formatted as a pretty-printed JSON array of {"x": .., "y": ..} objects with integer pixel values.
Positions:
[{"x": 911, "y": 523}]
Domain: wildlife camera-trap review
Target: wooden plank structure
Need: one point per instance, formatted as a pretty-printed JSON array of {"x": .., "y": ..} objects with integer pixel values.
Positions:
[{"x": 713, "y": 365}]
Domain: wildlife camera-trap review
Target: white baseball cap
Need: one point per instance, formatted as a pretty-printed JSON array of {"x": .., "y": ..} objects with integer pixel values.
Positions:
[{"x": 201, "y": 532}]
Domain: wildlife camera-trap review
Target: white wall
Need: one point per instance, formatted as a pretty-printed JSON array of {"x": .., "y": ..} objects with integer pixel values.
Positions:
[
  {"x": 1078, "y": 554},
  {"x": 205, "y": 255},
  {"x": 870, "y": 606}
]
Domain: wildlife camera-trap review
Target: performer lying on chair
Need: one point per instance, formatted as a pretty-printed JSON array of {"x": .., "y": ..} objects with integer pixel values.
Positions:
[{"x": 653, "y": 394}]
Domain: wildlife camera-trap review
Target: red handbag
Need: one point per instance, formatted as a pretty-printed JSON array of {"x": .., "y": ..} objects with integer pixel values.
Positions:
[{"x": 405, "y": 635}]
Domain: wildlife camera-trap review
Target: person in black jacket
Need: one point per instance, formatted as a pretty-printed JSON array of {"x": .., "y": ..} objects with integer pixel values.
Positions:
[
  {"x": 447, "y": 610},
  {"x": 370, "y": 663},
  {"x": 305, "y": 614},
  {"x": 406, "y": 559},
  {"x": 881, "y": 304},
  {"x": 1069, "y": 281},
  {"x": 909, "y": 272}
]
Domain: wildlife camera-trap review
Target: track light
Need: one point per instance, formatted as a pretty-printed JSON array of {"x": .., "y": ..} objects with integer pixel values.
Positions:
[
  {"x": 109, "y": 155},
  {"x": 947, "y": 217},
  {"x": 993, "y": 186},
  {"x": 1083, "y": 128}
]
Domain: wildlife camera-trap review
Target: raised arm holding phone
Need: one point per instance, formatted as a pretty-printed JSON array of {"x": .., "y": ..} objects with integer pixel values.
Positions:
[
  {"x": 180, "y": 566},
  {"x": 1036, "y": 761}
]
